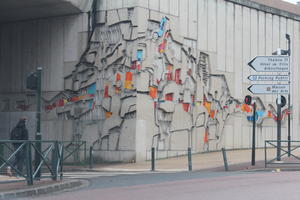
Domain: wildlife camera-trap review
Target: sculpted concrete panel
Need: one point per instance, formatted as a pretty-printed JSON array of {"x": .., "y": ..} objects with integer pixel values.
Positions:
[{"x": 179, "y": 98}]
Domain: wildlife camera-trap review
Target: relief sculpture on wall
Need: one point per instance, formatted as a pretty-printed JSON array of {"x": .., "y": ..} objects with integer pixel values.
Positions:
[{"x": 125, "y": 58}]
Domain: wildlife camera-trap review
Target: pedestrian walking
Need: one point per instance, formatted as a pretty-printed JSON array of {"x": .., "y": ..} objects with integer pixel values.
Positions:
[{"x": 19, "y": 132}]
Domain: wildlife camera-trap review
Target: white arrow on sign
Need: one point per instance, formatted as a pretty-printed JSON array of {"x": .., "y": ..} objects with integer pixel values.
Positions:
[
  {"x": 269, "y": 89},
  {"x": 269, "y": 78},
  {"x": 270, "y": 63}
]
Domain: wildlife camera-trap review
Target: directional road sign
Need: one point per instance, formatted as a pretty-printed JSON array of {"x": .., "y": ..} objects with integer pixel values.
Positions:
[
  {"x": 270, "y": 63},
  {"x": 269, "y": 78},
  {"x": 269, "y": 89}
]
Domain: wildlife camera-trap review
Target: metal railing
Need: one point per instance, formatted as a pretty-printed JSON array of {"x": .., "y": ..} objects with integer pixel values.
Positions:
[
  {"x": 75, "y": 148},
  {"x": 285, "y": 157},
  {"x": 20, "y": 151},
  {"x": 18, "y": 155}
]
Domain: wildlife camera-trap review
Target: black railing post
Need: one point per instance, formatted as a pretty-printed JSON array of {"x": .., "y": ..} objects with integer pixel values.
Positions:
[
  {"x": 55, "y": 158},
  {"x": 29, "y": 176},
  {"x": 152, "y": 159},
  {"x": 1, "y": 152}
]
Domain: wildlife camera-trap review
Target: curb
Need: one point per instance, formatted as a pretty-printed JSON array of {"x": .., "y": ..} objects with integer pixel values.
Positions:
[
  {"x": 42, "y": 190},
  {"x": 272, "y": 169},
  {"x": 107, "y": 170}
]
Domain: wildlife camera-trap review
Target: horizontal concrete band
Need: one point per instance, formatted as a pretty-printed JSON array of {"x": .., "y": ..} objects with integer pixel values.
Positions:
[
  {"x": 56, "y": 187},
  {"x": 265, "y": 8}
]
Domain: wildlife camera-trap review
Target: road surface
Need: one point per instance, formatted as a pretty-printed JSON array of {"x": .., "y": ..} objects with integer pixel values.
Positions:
[{"x": 186, "y": 186}]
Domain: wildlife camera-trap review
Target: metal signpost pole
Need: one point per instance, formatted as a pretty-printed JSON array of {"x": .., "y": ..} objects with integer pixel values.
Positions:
[
  {"x": 289, "y": 125},
  {"x": 287, "y": 36},
  {"x": 278, "y": 102},
  {"x": 253, "y": 135}
]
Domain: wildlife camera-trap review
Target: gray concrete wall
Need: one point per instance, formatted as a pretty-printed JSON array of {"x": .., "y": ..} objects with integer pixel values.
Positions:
[
  {"x": 18, "y": 10},
  {"x": 232, "y": 35},
  {"x": 55, "y": 44},
  {"x": 83, "y": 5}
]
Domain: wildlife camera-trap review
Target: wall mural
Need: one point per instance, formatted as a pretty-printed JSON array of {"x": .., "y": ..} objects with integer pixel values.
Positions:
[{"x": 123, "y": 59}]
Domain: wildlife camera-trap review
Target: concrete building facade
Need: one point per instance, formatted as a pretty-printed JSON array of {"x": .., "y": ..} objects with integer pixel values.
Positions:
[{"x": 134, "y": 74}]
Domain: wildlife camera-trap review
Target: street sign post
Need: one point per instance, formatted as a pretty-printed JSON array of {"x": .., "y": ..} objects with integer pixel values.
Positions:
[
  {"x": 270, "y": 63},
  {"x": 269, "y": 78},
  {"x": 281, "y": 65},
  {"x": 269, "y": 88}
]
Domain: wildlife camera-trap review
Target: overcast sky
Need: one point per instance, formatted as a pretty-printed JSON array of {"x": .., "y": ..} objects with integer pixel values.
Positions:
[{"x": 292, "y": 1}]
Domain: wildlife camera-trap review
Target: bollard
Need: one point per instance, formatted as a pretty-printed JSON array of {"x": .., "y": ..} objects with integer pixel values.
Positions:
[
  {"x": 91, "y": 157},
  {"x": 152, "y": 159},
  {"x": 265, "y": 154},
  {"x": 85, "y": 160},
  {"x": 190, "y": 158},
  {"x": 225, "y": 159}
]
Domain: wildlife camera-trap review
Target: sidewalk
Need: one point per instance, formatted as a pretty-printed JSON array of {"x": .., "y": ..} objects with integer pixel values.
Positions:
[
  {"x": 213, "y": 161},
  {"x": 238, "y": 160}
]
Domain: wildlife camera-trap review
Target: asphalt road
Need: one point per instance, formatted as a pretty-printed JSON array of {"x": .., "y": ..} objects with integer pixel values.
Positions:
[{"x": 186, "y": 186}]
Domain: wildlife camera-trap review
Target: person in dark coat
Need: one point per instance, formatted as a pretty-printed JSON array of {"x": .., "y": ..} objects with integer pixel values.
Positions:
[{"x": 19, "y": 132}]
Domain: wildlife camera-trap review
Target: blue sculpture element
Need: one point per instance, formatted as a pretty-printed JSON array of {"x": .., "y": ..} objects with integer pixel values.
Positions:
[
  {"x": 139, "y": 55},
  {"x": 162, "y": 26}
]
